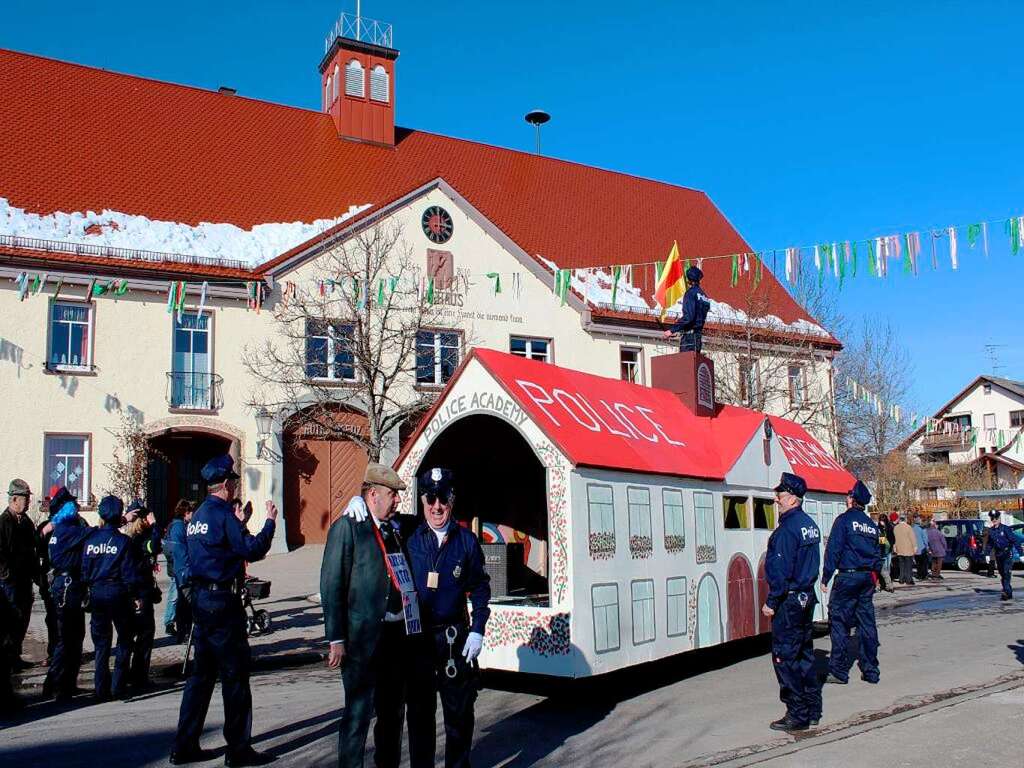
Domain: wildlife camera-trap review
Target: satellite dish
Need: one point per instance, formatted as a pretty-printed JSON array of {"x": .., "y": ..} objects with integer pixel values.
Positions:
[{"x": 537, "y": 118}]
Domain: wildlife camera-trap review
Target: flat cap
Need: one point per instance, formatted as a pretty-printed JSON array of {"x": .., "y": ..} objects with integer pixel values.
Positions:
[{"x": 380, "y": 474}]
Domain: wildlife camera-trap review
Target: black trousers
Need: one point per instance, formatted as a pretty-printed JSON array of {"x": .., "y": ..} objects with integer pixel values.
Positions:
[
  {"x": 793, "y": 657},
  {"x": 1004, "y": 562},
  {"x": 8, "y": 615},
  {"x": 112, "y": 609},
  {"x": 144, "y": 630},
  {"x": 51, "y": 622},
  {"x": 19, "y": 594},
  {"x": 458, "y": 695},
  {"x": 906, "y": 569},
  {"x": 378, "y": 681},
  {"x": 62, "y": 676},
  {"x": 923, "y": 562},
  {"x": 691, "y": 341},
  {"x": 222, "y": 650}
]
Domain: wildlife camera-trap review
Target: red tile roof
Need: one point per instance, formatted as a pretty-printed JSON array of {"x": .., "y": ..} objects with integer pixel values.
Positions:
[{"x": 79, "y": 138}]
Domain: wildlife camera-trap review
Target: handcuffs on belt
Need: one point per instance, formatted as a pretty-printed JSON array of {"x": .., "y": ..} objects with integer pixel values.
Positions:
[{"x": 450, "y": 633}]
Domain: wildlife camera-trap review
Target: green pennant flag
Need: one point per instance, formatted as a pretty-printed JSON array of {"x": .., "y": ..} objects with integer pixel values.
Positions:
[
  {"x": 355, "y": 288},
  {"x": 659, "y": 267},
  {"x": 908, "y": 264},
  {"x": 734, "y": 278},
  {"x": 496, "y": 277},
  {"x": 392, "y": 284},
  {"x": 758, "y": 266},
  {"x": 564, "y": 283},
  {"x": 380, "y": 292},
  {"x": 1013, "y": 231},
  {"x": 616, "y": 274},
  {"x": 122, "y": 288},
  {"x": 853, "y": 258},
  {"x": 686, "y": 266},
  {"x": 973, "y": 232},
  {"x": 872, "y": 267},
  {"x": 842, "y": 266},
  {"x": 98, "y": 289},
  {"x": 430, "y": 290},
  {"x": 35, "y": 285}
]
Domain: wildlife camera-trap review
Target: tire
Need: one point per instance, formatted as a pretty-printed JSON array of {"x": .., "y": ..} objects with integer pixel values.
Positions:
[
  {"x": 263, "y": 621},
  {"x": 252, "y": 627},
  {"x": 963, "y": 563}
]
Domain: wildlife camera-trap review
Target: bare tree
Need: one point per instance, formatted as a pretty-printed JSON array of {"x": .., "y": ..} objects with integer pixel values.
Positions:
[
  {"x": 129, "y": 469},
  {"x": 350, "y": 337}
]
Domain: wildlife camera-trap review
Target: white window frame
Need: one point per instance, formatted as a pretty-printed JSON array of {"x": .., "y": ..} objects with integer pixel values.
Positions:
[
  {"x": 748, "y": 384},
  {"x": 547, "y": 357},
  {"x": 353, "y": 66},
  {"x": 379, "y": 79},
  {"x": 85, "y": 494},
  {"x": 637, "y": 365},
  {"x": 677, "y": 599},
  {"x": 605, "y": 611},
  {"x": 332, "y": 341},
  {"x": 438, "y": 380},
  {"x": 90, "y": 326},
  {"x": 797, "y": 391},
  {"x": 648, "y": 621},
  {"x": 673, "y": 527}
]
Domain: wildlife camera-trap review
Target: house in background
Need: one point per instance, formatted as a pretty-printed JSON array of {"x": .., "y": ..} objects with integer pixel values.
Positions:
[{"x": 978, "y": 437}]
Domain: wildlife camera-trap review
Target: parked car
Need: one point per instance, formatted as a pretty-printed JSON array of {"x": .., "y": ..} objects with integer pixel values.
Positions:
[
  {"x": 963, "y": 543},
  {"x": 1018, "y": 531}
]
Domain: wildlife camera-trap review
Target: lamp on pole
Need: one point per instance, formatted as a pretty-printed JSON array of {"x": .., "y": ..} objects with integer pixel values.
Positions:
[{"x": 537, "y": 118}]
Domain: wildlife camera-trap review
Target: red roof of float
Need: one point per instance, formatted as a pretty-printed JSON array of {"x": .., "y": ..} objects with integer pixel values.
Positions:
[
  {"x": 613, "y": 424},
  {"x": 79, "y": 138}
]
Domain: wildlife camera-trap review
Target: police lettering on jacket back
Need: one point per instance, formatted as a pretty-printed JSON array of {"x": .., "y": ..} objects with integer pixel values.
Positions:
[{"x": 106, "y": 557}]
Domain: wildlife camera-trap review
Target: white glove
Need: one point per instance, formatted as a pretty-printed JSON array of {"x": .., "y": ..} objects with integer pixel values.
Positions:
[
  {"x": 474, "y": 643},
  {"x": 988, "y": 559},
  {"x": 356, "y": 509}
]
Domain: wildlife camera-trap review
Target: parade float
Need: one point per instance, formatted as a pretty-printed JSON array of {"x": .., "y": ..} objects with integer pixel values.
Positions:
[{"x": 621, "y": 523}]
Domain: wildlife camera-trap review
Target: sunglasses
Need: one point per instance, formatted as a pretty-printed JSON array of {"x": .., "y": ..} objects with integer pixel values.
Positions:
[{"x": 444, "y": 498}]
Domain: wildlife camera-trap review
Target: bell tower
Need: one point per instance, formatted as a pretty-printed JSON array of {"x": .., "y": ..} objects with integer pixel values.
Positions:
[{"x": 357, "y": 79}]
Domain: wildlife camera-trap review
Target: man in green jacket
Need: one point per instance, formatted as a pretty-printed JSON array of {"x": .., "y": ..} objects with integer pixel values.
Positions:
[{"x": 371, "y": 621}]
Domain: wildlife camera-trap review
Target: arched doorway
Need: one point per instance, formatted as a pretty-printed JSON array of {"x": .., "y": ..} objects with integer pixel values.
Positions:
[
  {"x": 740, "y": 592},
  {"x": 323, "y": 468},
  {"x": 176, "y": 458},
  {"x": 764, "y": 624},
  {"x": 709, "y": 613}
]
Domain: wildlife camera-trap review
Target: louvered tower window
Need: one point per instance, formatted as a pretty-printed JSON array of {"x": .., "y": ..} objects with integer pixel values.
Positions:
[{"x": 354, "y": 80}]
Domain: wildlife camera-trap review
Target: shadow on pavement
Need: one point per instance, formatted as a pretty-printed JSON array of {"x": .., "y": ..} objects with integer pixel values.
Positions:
[{"x": 1018, "y": 650}]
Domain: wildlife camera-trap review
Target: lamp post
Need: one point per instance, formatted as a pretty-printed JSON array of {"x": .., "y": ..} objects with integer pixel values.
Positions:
[{"x": 264, "y": 431}]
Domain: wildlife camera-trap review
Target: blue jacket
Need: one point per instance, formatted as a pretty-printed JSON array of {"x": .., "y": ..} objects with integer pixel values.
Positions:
[
  {"x": 218, "y": 546},
  {"x": 459, "y": 564},
  {"x": 65, "y": 546},
  {"x": 793, "y": 558},
  {"x": 109, "y": 558},
  {"x": 1002, "y": 540},
  {"x": 920, "y": 537},
  {"x": 176, "y": 552},
  {"x": 852, "y": 544},
  {"x": 696, "y": 306}
]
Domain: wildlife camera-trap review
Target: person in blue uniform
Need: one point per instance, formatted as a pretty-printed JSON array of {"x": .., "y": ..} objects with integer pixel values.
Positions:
[
  {"x": 696, "y": 306},
  {"x": 447, "y": 565},
  {"x": 792, "y": 564},
  {"x": 145, "y": 536},
  {"x": 218, "y": 548},
  {"x": 1002, "y": 545},
  {"x": 67, "y": 532},
  {"x": 110, "y": 575},
  {"x": 852, "y": 554}
]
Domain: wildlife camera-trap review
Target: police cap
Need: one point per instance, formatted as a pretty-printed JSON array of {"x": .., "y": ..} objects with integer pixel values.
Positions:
[
  {"x": 790, "y": 483},
  {"x": 437, "y": 481},
  {"x": 59, "y": 498},
  {"x": 995, "y": 514},
  {"x": 694, "y": 275},
  {"x": 860, "y": 494},
  {"x": 381, "y": 474},
  {"x": 111, "y": 508},
  {"x": 219, "y": 469}
]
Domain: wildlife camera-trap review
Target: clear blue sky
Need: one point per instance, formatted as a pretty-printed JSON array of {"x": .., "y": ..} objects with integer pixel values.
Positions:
[{"x": 804, "y": 122}]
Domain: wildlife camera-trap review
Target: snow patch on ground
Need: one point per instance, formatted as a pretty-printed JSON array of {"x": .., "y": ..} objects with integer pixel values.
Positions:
[{"x": 124, "y": 230}]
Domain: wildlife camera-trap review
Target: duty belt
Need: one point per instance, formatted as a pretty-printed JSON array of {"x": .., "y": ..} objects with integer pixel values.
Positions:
[
  {"x": 855, "y": 570},
  {"x": 218, "y": 586}
]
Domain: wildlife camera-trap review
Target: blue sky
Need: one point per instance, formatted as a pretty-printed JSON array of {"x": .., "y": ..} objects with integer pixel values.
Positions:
[{"x": 804, "y": 122}]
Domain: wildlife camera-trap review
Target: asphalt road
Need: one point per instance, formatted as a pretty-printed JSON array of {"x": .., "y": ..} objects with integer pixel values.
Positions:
[{"x": 952, "y": 675}]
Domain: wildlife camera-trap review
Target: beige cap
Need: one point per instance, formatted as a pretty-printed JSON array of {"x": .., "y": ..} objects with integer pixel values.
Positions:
[{"x": 379, "y": 474}]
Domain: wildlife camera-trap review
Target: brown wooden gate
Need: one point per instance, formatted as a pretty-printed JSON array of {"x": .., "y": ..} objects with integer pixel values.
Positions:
[
  {"x": 740, "y": 599},
  {"x": 322, "y": 470}
]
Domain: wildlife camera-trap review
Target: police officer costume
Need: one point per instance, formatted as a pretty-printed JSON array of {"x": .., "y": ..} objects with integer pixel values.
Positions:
[
  {"x": 109, "y": 574},
  {"x": 852, "y": 554},
  {"x": 696, "y": 306},
  {"x": 218, "y": 548},
  {"x": 65, "y": 549},
  {"x": 446, "y": 568},
  {"x": 1002, "y": 545},
  {"x": 792, "y": 564}
]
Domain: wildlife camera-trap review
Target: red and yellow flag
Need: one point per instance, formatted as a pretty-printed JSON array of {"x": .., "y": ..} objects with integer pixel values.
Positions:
[{"x": 670, "y": 286}]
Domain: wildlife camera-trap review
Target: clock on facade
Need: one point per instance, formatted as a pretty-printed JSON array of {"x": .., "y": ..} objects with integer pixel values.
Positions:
[{"x": 437, "y": 224}]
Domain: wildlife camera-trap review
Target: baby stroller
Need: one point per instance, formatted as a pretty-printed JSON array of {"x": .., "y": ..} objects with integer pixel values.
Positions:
[{"x": 258, "y": 622}]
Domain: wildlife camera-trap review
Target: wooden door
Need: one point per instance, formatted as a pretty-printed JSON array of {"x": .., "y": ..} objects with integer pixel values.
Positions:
[{"x": 740, "y": 599}]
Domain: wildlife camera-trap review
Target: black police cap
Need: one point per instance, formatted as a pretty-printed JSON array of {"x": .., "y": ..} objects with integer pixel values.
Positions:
[{"x": 791, "y": 483}]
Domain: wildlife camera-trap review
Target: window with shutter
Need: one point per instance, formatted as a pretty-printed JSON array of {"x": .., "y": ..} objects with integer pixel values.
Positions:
[
  {"x": 354, "y": 81},
  {"x": 379, "y": 84}
]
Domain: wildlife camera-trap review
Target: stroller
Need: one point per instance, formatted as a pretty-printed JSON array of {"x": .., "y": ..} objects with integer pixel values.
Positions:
[{"x": 258, "y": 621}]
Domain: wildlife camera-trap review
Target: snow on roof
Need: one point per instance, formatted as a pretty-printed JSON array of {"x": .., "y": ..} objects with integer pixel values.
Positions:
[{"x": 221, "y": 241}]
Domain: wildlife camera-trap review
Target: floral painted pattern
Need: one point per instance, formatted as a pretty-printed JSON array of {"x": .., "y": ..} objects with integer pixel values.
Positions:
[
  {"x": 706, "y": 553},
  {"x": 602, "y": 545},
  {"x": 543, "y": 633},
  {"x": 691, "y": 607},
  {"x": 675, "y": 543},
  {"x": 558, "y": 520},
  {"x": 641, "y": 547}
]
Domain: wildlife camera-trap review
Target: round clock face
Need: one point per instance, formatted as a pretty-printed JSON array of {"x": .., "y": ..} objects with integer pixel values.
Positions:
[{"x": 437, "y": 224}]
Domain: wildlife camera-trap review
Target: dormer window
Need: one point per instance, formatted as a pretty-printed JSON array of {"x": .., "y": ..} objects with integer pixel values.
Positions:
[
  {"x": 355, "y": 82},
  {"x": 380, "y": 84}
]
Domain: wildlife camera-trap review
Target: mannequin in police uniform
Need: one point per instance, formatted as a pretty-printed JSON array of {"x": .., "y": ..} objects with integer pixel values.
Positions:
[
  {"x": 365, "y": 585},
  {"x": 109, "y": 573},
  {"x": 447, "y": 564},
  {"x": 791, "y": 565},
  {"x": 67, "y": 532},
  {"x": 218, "y": 548},
  {"x": 852, "y": 553},
  {"x": 696, "y": 305}
]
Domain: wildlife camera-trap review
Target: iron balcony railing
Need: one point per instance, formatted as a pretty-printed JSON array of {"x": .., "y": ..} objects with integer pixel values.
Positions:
[
  {"x": 112, "y": 252},
  {"x": 358, "y": 28},
  {"x": 193, "y": 391}
]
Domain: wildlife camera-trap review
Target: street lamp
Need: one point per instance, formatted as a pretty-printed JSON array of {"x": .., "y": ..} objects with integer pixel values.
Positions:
[{"x": 264, "y": 423}]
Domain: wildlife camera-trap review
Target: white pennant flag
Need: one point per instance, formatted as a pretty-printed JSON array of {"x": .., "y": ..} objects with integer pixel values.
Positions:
[{"x": 952, "y": 246}]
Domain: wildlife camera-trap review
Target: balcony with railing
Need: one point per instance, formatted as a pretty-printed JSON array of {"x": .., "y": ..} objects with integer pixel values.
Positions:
[
  {"x": 356, "y": 27},
  {"x": 193, "y": 391},
  {"x": 940, "y": 441}
]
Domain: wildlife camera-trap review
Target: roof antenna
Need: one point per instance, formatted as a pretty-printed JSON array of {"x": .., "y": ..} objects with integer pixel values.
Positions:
[
  {"x": 537, "y": 118},
  {"x": 993, "y": 356}
]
